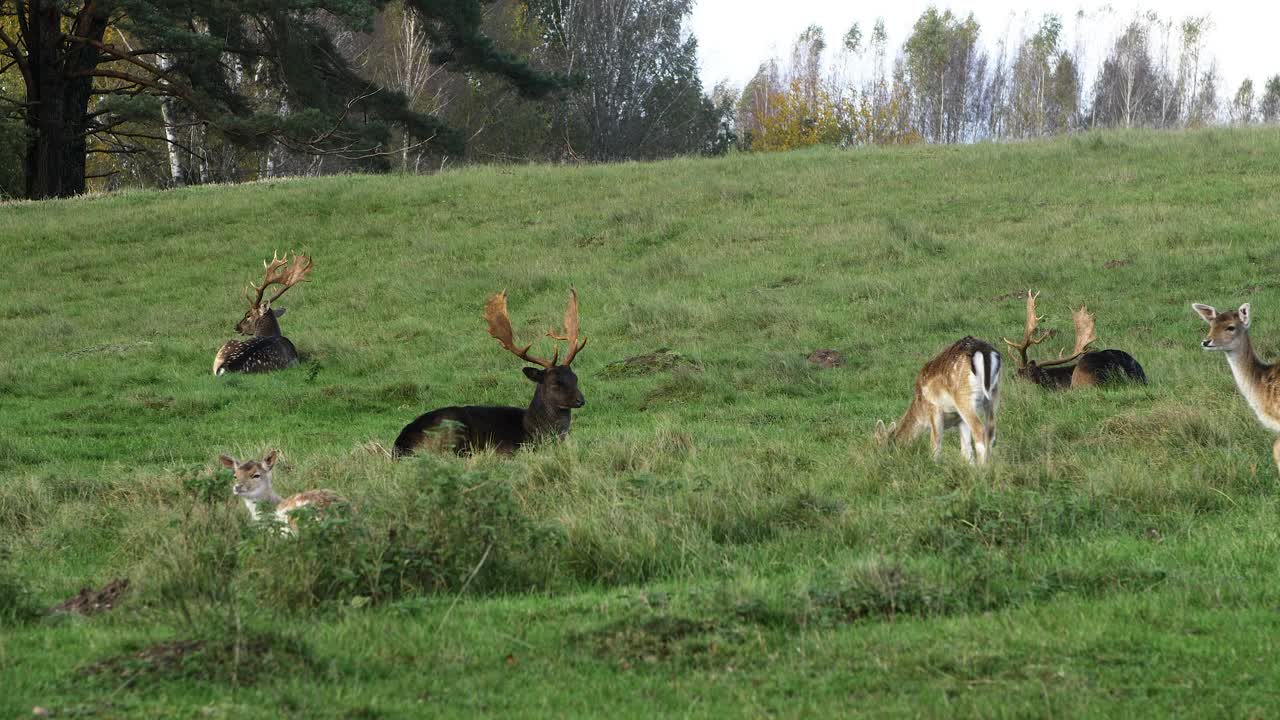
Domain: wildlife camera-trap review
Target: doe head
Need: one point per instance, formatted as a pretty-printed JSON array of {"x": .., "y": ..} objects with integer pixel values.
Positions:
[
  {"x": 252, "y": 477},
  {"x": 558, "y": 385},
  {"x": 882, "y": 433},
  {"x": 1227, "y": 330}
]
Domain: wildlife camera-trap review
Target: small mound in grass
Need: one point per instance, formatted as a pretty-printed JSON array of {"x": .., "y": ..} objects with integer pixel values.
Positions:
[
  {"x": 827, "y": 358},
  {"x": 649, "y": 640},
  {"x": 91, "y": 602},
  {"x": 222, "y": 661},
  {"x": 660, "y": 360}
]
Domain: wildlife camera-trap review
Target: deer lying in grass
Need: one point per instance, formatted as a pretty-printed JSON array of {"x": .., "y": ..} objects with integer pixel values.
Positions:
[
  {"x": 472, "y": 427},
  {"x": 1092, "y": 367},
  {"x": 268, "y": 349},
  {"x": 253, "y": 486},
  {"x": 1257, "y": 381},
  {"x": 959, "y": 387}
]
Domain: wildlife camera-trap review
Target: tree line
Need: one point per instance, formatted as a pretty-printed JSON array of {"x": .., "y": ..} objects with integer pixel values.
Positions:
[
  {"x": 943, "y": 86},
  {"x": 98, "y": 94}
]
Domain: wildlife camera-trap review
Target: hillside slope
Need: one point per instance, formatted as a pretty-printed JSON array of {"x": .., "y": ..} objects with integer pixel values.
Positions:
[{"x": 720, "y": 537}]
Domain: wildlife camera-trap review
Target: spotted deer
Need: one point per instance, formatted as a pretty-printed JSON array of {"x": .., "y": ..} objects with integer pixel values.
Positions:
[
  {"x": 959, "y": 387},
  {"x": 267, "y": 349},
  {"x": 1257, "y": 381},
  {"x": 1091, "y": 367},
  {"x": 253, "y": 486},
  {"x": 465, "y": 428}
]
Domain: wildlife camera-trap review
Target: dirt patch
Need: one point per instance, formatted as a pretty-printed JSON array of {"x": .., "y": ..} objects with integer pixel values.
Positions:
[
  {"x": 827, "y": 358},
  {"x": 660, "y": 360},
  {"x": 224, "y": 661},
  {"x": 1113, "y": 264},
  {"x": 91, "y": 602}
]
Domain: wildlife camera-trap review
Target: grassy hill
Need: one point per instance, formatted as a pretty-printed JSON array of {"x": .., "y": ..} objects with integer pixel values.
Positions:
[{"x": 721, "y": 537}]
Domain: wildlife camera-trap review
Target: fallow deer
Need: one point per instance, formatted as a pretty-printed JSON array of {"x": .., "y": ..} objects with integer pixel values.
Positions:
[
  {"x": 253, "y": 486},
  {"x": 267, "y": 349},
  {"x": 471, "y": 427},
  {"x": 1091, "y": 368},
  {"x": 959, "y": 387},
  {"x": 1257, "y": 381}
]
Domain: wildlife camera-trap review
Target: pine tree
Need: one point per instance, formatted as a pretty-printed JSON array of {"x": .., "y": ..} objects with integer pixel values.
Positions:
[{"x": 90, "y": 67}]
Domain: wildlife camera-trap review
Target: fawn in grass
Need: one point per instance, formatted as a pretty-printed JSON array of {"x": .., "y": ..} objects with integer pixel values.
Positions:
[
  {"x": 253, "y": 486},
  {"x": 1258, "y": 381},
  {"x": 268, "y": 349},
  {"x": 1092, "y": 367},
  {"x": 466, "y": 428},
  {"x": 959, "y": 387}
]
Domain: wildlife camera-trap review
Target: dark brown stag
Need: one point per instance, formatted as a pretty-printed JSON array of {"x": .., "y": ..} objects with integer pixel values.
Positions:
[
  {"x": 267, "y": 349},
  {"x": 1083, "y": 367},
  {"x": 463, "y": 429}
]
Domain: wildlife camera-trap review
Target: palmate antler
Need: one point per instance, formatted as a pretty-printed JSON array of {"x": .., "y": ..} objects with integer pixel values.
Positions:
[
  {"x": 1029, "y": 331},
  {"x": 279, "y": 271},
  {"x": 570, "y": 334},
  {"x": 1084, "y": 322},
  {"x": 495, "y": 314}
]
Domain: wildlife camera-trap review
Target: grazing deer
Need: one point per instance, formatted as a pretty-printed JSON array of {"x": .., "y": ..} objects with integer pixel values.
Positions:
[
  {"x": 473, "y": 427},
  {"x": 1092, "y": 367},
  {"x": 959, "y": 387},
  {"x": 1257, "y": 381},
  {"x": 253, "y": 486},
  {"x": 268, "y": 349}
]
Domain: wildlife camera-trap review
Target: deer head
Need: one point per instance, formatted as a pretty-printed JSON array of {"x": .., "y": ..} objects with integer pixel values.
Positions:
[
  {"x": 1227, "y": 330},
  {"x": 557, "y": 383},
  {"x": 1032, "y": 369},
  {"x": 260, "y": 318},
  {"x": 253, "y": 478},
  {"x": 883, "y": 433}
]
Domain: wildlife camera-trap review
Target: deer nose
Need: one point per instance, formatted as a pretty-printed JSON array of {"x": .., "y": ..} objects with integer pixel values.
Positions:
[{"x": 1206, "y": 343}]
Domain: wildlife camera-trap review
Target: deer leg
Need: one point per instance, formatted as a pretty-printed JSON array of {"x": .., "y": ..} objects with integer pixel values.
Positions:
[
  {"x": 1275, "y": 452},
  {"x": 935, "y": 433},
  {"x": 966, "y": 441},
  {"x": 971, "y": 425}
]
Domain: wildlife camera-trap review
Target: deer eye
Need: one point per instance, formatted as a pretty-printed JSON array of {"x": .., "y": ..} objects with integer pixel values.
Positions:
[
  {"x": 257, "y": 476},
  {"x": 1231, "y": 328}
]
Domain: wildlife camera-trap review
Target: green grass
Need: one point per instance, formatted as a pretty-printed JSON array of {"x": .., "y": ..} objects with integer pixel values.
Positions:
[{"x": 718, "y": 538}]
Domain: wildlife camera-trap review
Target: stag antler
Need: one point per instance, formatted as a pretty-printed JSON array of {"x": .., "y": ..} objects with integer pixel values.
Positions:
[
  {"x": 1083, "y": 320},
  {"x": 1029, "y": 332},
  {"x": 495, "y": 313},
  {"x": 570, "y": 334},
  {"x": 279, "y": 271}
]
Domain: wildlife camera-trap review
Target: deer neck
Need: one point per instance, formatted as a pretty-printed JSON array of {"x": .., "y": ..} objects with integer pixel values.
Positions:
[
  {"x": 911, "y": 422},
  {"x": 1246, "y": 368},
  {"x": 267, "y": 325},
  {"x": 544, "y": 418},
  {"x": 272, "y": 499}
]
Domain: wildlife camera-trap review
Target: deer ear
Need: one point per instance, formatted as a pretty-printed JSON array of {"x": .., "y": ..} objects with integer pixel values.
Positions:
[
  {"x": 228, "y": 461},
  {"x": 1204, "y": 311},
  {"x": 1245, "y": 315},
  {"x": 269, "y": 459},
  {"x": 277, "y": 311},
  {"x": 534, "y": 374}
]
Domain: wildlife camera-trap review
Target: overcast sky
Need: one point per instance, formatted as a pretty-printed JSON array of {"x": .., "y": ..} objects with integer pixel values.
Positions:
[{"x": 735, "y": 36}]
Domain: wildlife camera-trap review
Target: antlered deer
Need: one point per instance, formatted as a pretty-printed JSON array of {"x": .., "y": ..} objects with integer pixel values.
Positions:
[
  {"x": 268, "y": 349},
  {"x": 1092, "y": 367},
  {"x": 253, "y": 486},
  {"x": 959, "y": 387},
  {"x": 473, "y": 427},
  {"x": 1257, "y": 381}
]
